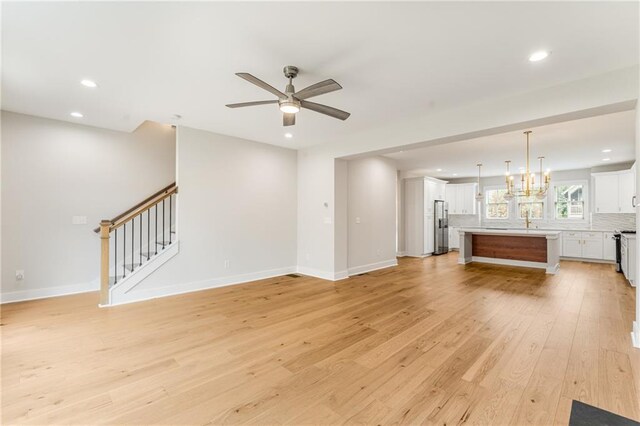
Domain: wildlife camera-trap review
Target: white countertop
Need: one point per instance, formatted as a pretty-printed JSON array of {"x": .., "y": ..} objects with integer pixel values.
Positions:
[
  {"x": 578, "y": 229},
  {"x": 515, "y": 232}
]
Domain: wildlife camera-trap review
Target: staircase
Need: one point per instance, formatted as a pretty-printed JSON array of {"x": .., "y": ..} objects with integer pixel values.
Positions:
[{"x": 134, "y": 240}]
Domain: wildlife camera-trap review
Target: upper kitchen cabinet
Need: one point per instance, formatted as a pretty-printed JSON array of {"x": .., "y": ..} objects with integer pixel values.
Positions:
[
  {"x": 461, "y": 198},
  {"x": 615, "y": 192}
]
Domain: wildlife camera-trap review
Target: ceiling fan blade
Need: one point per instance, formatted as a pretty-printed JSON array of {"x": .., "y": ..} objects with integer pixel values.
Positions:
[
  {"x": 326, "y": 110},
  {"x": 246, "y": 104},
  {"x": 288, "y": 119},
  {"x": 262, "y": 84},
  {"x": 318, "y": 89}
]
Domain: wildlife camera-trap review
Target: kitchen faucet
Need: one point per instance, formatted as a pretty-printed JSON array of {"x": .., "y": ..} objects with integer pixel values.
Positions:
[{"x": 527, "y": 222}]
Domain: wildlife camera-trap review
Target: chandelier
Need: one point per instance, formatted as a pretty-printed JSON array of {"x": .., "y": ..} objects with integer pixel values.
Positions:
[{"x": 527, "y": 180}]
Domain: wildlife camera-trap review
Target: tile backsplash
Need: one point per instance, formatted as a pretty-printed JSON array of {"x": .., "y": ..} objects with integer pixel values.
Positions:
[{"x": 600, "y": 221}]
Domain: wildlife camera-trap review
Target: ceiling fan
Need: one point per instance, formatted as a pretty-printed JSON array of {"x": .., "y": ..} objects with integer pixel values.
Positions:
[{"x": 291, "y": 101}]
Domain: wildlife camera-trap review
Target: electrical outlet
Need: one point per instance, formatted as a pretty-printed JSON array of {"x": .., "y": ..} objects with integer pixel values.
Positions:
[
  {"x": 357, "y": 219},
  {"x": 227, "y": 264},
  {"x": 19, "y": 275}
]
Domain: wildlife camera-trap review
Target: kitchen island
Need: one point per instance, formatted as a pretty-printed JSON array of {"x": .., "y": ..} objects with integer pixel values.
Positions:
[{"x": 530, "y": 248}]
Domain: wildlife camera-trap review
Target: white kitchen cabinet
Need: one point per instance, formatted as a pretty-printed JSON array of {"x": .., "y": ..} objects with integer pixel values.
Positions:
[
  {"x": 615, "y": 191},
  {"x": 454, "y": 238},
  {"x": 606, "y": 193},
  {"x": 608, "y": 246},
  {"x": 571, "y": 244},
  {"x": 628, "y": 257},
  {"x": 586, "y": 245},
  {"x": 461, "y": 198},
  {"x": 420, "y": 194},
  {"x": 592, "y": 245},
  {"x": 626, "y": 191}
]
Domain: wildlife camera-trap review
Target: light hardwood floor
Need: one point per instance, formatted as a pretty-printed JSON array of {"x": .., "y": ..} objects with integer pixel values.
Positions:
[{"x": 427, "y": 342}]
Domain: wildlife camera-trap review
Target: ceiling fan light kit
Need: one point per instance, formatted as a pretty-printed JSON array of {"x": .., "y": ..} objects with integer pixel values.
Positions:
[{"x": 290, "y": 102}]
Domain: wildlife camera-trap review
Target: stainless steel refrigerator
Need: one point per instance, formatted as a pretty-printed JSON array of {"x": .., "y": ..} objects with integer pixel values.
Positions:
[{"x": 441, "y": 227}]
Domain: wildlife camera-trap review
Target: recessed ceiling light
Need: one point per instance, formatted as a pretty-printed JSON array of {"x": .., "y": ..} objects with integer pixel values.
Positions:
[
  {"x": 438, "y": 170},
  {"x": 538, "y": 56},
  {"x": 89, "y": 83},
  {"x": 77, "y": 114},
  {"x": 606, "y": 150},
  {"x": 606, "y": 159},
  {"x": 288, "y": 135}
]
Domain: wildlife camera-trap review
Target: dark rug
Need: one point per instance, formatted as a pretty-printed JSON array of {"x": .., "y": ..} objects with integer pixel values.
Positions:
[{"x": 587, "y": 415}]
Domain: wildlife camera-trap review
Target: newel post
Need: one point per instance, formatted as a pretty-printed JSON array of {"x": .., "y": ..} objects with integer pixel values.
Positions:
[{"x": 105, "y": 227}]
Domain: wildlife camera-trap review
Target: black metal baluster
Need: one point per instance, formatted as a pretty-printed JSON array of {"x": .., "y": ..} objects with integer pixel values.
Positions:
[
  {"x": 163, "y": 225},
  {"x": 155, "y": 224},
  {"x": 148, "y": 232},
  {"x": 170, "y": 217},
  {"x": 133, "y": 238},
  {"x": 140, "y": 245},
  {"x": 124, "y": 250},
  {"x": 115, "y": 257}
]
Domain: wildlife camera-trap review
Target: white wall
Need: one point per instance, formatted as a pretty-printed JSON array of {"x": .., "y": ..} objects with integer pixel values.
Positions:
[
  {"x": 372, "y": 200},
  {"x": 317, "y": 214},
  {"x": 53, "y": 170},
  {"x": 237, "y": 202}
]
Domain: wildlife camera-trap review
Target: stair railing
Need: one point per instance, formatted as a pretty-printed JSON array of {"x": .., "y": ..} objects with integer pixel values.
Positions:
[{"x": 142, "y": 220}]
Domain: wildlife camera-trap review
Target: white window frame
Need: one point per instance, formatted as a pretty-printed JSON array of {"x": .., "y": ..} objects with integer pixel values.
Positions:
[
  {"x": 486, "y": 190},
  {"x": 585, "y": 200},
  {"x": 532, "y": 219}
]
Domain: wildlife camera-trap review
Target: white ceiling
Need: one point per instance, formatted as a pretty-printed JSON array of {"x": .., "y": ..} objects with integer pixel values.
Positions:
[
  {"x": 394, "y": 60},
  {"x": 568, "y": 145}
]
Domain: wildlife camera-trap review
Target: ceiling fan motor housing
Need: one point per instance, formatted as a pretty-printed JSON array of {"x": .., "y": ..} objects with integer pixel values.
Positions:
[{"x": 290, "y": 71}]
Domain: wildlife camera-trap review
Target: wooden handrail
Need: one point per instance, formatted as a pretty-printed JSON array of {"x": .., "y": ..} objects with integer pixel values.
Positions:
[{"x": 141, "y": 207}]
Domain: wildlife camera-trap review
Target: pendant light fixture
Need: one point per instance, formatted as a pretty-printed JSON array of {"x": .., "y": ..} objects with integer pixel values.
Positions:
[{"x": 479, "y": 196}]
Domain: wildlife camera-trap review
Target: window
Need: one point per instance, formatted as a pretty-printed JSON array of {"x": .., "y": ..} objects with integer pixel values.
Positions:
[
  {"x": 533, "y": 205},
  {"x": 497, "y": 206},
  {"x": 569, "y": 201}
]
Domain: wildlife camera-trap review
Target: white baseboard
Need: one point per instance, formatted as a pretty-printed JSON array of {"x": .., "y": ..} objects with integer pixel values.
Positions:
[
  {"x": 585, "y": 259},
  {"x": 401, "y": 254},
  {"x": 43, "y": 293},
  {"x": 189, "y": 287},
  {"x": 323, "y": 275},
  {"x": 635, "y": 335},
  {"x": 373, "y": 267}
]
